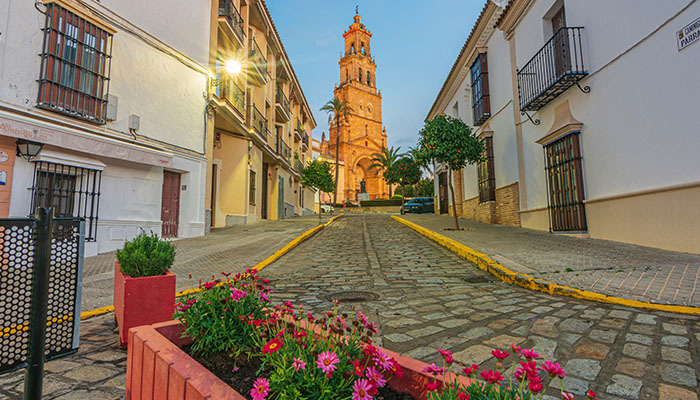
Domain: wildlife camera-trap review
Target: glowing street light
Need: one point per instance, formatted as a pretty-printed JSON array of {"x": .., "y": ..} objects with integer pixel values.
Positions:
[{"x": 233, "y": 67}]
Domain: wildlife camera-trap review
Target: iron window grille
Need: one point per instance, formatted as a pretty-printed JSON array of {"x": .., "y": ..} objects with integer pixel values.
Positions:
[
  {"x": 228, "y": 9},
  {"x": 75, "y": 66},
  {"x": 71, "y": 191},
  {"x": 251, "y": 189},
  {"x": 487, "y": 179},
  {"x": 481, "y": 105},
  {"x": 565, "y": 182}
]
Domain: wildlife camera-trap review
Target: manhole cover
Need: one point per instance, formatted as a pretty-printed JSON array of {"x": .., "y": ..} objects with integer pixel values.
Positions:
[
  {"x": 352, "y": 296},
  {"x": 476, "y": 279}
]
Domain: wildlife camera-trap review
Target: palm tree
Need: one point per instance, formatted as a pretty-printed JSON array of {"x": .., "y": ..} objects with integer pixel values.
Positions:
[
  {"x": 384, "y": 160},
  {"x": 336, "y": 109}
]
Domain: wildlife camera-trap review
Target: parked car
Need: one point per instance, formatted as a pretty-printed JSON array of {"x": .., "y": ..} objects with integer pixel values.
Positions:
[
  {"x": 419, "y": 205},
  {"x": 327, "y": 208}
]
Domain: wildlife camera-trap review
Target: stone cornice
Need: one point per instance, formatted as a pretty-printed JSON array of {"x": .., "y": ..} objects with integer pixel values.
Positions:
[{"x": 511, "y": 16}]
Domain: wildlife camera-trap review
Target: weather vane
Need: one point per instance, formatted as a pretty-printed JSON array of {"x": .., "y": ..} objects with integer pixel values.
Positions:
[{"x": 357, "y": 10}]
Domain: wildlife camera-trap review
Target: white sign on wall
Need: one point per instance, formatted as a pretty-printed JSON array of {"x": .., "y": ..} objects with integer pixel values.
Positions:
[{"x": 688, "y": 35}]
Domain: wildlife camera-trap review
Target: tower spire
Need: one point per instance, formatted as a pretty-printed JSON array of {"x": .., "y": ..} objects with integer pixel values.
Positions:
[{"x": 357, "y": 10}]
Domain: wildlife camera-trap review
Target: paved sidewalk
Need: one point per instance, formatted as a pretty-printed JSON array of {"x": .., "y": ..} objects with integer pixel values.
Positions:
[
  {"x": 430, "y": 298},
  {"x": 617, "y": 269},
  {"x": 225, "y": 250}
]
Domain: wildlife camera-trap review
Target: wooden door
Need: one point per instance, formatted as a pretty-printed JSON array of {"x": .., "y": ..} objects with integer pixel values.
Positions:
[
  {"x": 170, "y": 206},
  {"x": 442, "y": 182},
  {"x": 263, "y": 210},
  {"x": 560, "y": 45}
]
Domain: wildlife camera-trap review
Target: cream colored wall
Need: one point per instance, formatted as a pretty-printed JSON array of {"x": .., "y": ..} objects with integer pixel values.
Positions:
[
  {"x": 255, "y": 211},
  {"x": 232, "y": 176}
]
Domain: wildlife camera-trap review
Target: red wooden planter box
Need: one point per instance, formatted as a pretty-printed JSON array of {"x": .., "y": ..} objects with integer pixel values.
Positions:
[
  {"x": 142, "y": 301},
  {"x": 156, "y": 368}
]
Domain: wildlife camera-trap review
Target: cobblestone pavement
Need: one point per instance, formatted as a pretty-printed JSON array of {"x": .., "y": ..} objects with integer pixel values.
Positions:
[
  {"x": 430, "y": 298},
  {"x": 618, "y": 269},
  {"x": 224, "y": 250},
  {"x": 96, "y": 372}
]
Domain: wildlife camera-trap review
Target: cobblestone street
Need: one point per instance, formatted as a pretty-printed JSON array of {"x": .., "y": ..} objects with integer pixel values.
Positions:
[{"x": 429, "y": 298}]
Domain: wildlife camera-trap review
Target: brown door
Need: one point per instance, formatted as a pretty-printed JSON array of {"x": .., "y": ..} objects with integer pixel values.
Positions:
[
  {"x": 442, "y": 183},
  {"x": 263, "y": 210},
  {"x": 170, "y": 209},
  {"x": 560, "y": 43}
]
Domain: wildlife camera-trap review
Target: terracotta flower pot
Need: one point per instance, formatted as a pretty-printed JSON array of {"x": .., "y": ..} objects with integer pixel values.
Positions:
[
  {"x": 157, "y": 368},
  {"x": 142, "y": 301}
]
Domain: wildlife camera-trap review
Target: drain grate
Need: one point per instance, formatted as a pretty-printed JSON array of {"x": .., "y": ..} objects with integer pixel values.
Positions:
[
  {"x": 352, "y": 296},
  {"x": 477, "y": 279}
]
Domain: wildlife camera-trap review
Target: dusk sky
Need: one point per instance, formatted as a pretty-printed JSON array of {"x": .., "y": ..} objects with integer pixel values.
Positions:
[{"x": 414, "y": 44}]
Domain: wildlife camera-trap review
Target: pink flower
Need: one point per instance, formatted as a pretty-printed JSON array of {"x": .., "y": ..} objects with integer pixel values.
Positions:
[
  {"x": 382, "y": 360},
  {"x": 432, "y": 386},
  {"x": 554, "y": 369},
  {"x": 590, "y": 394},
  {"x": 356, "y": 367},
  {"x": 470, "y": 370},
  {"x": 298, "y": 364},
  {"x": 567, "y": 396},
  {"x": 500, "y": 354},
  {"x": 462, "y": 396},
  {"x": 535, "y": 387},
  {"x": 516, "y": 349},
  {"x": 447, "y": 355},
  {"x": 433, "y": 369},
  {"x": 209, "y": 285},
  {"x": 272, "y": 346},
  {"x": 375, "y": 377},
  {"x": 361, "y": 390},
  {"x": 260, "y": 389},
  {"x": 492, "y": 376},
  {"x": 529, "y": 354},
  {"x": 326, "y": 361},
  {"x": 237, "y": 294}
]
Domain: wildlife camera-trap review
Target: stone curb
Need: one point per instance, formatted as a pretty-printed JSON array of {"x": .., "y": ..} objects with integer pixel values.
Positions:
[
  {"x": 484, "y": 263},
  {"x": 259, "y": 266}
]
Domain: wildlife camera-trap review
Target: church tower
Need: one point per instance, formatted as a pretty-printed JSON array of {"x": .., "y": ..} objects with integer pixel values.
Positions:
[{"x": 362, "y": 134}]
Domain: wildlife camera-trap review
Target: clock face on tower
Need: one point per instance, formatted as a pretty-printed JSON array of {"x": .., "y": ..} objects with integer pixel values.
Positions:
[{"x": 369, "y": 108}]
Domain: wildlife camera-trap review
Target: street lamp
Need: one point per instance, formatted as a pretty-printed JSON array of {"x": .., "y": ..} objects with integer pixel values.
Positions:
[
  {"x": 28, "y": 149},
  {"x": 233, "y": 67}
]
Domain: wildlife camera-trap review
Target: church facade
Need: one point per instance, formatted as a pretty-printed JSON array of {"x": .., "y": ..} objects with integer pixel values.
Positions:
[{"x": 362, "y": 133}]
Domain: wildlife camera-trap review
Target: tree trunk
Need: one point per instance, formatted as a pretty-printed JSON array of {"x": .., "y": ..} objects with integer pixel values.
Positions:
[
  {"x": 452, "y": 193},
  {"x": 337, "y": 161}
]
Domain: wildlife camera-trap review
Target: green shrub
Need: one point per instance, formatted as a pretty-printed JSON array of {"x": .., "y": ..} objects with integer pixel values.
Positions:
[
  {"x": 380, "y": 203},
  {"x": 146, "y": 255},
  {"x": 397, "y": 197}
]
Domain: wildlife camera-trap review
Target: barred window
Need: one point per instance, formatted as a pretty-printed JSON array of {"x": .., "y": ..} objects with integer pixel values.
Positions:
[
  {"x": 71, "y": 191},
  {"x": 75, "y": 64},
  {"x": 565, "y": 182},
  {"x": 480, "y": 90},
  {"x": 251, "y": 189},
  {"x": 487, "y": 180}
]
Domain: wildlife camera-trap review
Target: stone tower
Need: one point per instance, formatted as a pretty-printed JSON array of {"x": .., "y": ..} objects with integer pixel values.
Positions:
[{"x": 362, "y": 134}]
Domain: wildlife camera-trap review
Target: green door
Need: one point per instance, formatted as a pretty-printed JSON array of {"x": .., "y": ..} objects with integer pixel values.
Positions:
[{"x": 280, "y": 198}]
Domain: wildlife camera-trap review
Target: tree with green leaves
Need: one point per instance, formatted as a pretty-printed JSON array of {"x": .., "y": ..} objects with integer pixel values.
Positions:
[
  {"x": 450, "y": 141},
  {"x": 336, "y": 110},
  {"x": 317, "y": 174},
  {"x": 383, "y": 161},
  {"x": 404, "y": 172},
  {"x": 422, "y": 163}
]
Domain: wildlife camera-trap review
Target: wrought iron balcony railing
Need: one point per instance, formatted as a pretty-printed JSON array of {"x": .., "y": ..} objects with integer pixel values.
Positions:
[
  {"x": 557, "y": 66},
  {"x": 258, "y": 121},
  {"x": 258, "y": 57},
  {"x": 233, "y": 93},
  {"x": 286, "y": 151},
  {"x": 228, "y": 9},
  {"x": 282, "y": 100},
  {"x": 305, "y": 140},
  {"x": 298, "y": 165}
]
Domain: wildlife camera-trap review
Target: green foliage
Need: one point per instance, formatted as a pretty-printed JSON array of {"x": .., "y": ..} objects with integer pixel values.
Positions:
[
  {"x": 426, "y": 188},
  {"x": 317, "y": 174},
  {"x": 211, "y": 316},
  {"x": 449, "y": 140},
  {"x": 146, "y": 255},
  {"x": 383, "y": 162},
  {"x": 405, "y": 171},
  {"x": 380, "y": 203},
  {"x": 396, "y": 197}
]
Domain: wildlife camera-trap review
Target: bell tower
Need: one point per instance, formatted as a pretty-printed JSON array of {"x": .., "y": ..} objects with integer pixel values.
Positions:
[{"x": 362, "y": 133}]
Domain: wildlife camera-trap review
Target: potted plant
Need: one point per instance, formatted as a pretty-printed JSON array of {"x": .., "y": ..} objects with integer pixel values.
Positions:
[{"x": 144, "y": 288}]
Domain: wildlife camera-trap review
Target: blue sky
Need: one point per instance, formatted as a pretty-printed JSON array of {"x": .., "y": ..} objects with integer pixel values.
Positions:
[{"x": 414, "y": 44}]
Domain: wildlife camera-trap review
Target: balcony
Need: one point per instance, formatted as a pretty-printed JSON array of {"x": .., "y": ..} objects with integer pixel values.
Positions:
[
  {"x": 258, "y": 122},
  {"x": 231, "y": 19},
  {"x": 286, "y": 152},
  {"x": 232, "y": 93},
  {"x": 259, "y": 61},
  {"x": 298, "y": 165},
  {"x": 282, "y": 105},
  {"x": 299, "y": 131},
  {"x": 557, "y": 66},
  {"x": 305, "y": 141}
]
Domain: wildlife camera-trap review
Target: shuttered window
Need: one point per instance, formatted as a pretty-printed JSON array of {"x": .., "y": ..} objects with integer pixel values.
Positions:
[
  {"x": 480, "y": 89},
  {"x": 75, "y": 64}
]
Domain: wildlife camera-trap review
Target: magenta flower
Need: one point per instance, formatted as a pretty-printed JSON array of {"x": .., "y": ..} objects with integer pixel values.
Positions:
[
  {"x": 209, "y": 285},
  {"x": 500, "y": 354},
  {"x": 260, "y": 389},
  {"x": 298, "y": 364},
  {"x": 326, "y": 361},
  {"x": 529, "y": 354},
  {"x": 237, "y": 294},
  {"x": 375, "y": 377},
  {"x": 433, "y": 369},
  {"x": 382, "y": 359},
  {"x": 554, "y": 369},
  {"x": 567, "y": 396},
  {"x": 361, "y": 390},
  {"x": 492, "y": 376}
]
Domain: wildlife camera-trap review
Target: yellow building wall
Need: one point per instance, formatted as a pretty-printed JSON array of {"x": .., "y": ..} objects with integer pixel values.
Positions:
[{"x": 232, "y": 178}]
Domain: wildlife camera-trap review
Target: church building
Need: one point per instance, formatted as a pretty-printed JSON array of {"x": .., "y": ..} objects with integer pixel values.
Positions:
[{"x": 362, "y": 133}]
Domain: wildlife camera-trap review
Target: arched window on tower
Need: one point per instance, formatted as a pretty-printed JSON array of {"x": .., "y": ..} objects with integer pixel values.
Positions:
[
  {"x": 363, "y": 48},
  {"x": 352, "y": 48},
  {"x": 368, "y": 78},
  {"x": 347, "y": 75},
  {"x": 359, "y": 76}
]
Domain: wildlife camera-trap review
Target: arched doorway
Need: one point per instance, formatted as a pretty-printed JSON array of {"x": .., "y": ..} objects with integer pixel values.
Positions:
[{"x": 373, "y": 179}]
